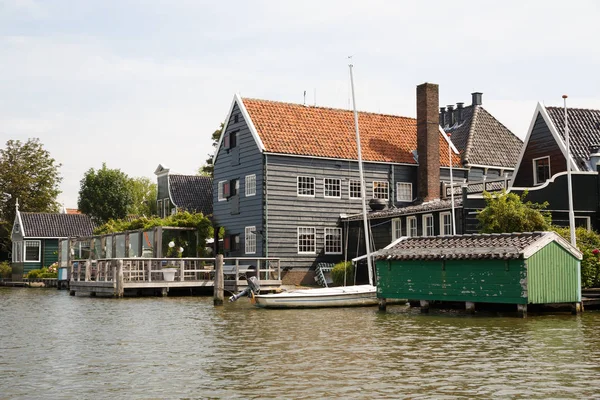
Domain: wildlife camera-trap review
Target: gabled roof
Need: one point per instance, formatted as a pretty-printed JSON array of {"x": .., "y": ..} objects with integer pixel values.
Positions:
[
  {"x": 476, "y": 246},
  {"x": 437, "y": 205},
  {"x": 192, "y": 192},
  {"x": 584, "y": 131},
  {"x": 479, "y": 136},
  {"x": 48, "y": 225},
  {"x": 295, "y": 129}
]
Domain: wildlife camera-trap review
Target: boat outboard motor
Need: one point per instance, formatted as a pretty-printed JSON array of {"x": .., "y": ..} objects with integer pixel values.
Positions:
[{"x": 253, "y": 288}]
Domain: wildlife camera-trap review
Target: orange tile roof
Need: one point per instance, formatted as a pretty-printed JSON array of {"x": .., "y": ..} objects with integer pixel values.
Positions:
[
  {"x": 328, "y": 132},
  {"x": 73, "y": 211}
]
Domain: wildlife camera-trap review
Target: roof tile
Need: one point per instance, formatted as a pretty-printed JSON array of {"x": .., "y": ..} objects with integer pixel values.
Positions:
[
  {"x": 47, "y": 225},
  {"x": 192, "y": 192}
]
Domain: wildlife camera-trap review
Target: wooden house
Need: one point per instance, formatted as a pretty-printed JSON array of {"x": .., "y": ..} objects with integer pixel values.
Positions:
[
  {"x": 542, "y": 164},
  {"x": 35, "y": 238},
  {"x": 175, "y": 192},
  {"x": 515, "y": 268},
  {"x": 283, "y": 174}
]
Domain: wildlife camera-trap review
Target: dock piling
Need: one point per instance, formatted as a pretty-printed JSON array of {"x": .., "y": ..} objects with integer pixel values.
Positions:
[{"x": 219, "y": 284}]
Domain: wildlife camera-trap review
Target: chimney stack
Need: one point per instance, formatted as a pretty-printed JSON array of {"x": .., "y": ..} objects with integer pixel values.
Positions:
[
  {"x": 451, "y": 119},
  {"x": 476, "y": 98},
  {"x": 459, "y": 112},
  {"x": 442, "y": 116},
  {"x": 428, "y": 141}
]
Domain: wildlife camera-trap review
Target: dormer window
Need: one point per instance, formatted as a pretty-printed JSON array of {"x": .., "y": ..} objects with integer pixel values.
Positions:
[{"x": 541, "y": 170}]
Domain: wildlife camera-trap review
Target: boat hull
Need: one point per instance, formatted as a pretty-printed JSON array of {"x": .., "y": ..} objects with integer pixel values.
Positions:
[{"x": 348, "y": 296}]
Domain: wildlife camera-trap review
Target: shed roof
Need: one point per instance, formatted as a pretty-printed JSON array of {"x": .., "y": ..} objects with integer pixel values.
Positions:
[
  {"x": 475, "y": 246},
  {"x": 49, "y": 225},
  {"x": 192, "y": 192}
]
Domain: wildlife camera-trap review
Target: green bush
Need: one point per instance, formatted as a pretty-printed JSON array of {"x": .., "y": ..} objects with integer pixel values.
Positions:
[
  {"x": 42, "y": 273},
  {"x": 5, "y": 269},
  {"x": 339, "y": 270},
  {"x": 588, "y": 243}
]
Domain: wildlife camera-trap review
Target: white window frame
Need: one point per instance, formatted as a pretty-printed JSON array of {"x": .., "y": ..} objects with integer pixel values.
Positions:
[
  {"x": 396, "y": 229},
  {"x": 387, "y": 189},
  {"x": 310, "y": 181},
  {"x": 333, "y": 246},
  {"x": 307, "y": 230},
  {"x": 220, "y": 194},
  {"x": 398, "y": 191},
  {"x": 428, "y": 229},
  {"x": 17, "y": 251},
  {"x": 350, "y": 191},
  {"x": 588, "y": 222},
  {"x": 26, "y": 244},
  {"x": 336, "y": 182},
  {"x": 250, "y": 239},
  {"x": 535, "y": 170},
  {"x": 411, "y": 231},
  {"x": 167, "y": 207},
  {"x": 250, "y": 185},
  {"x": 443, "y": 230}
]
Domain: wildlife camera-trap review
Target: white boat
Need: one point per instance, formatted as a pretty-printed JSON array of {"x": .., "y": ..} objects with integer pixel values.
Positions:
[{"x": 344, "y": 296}]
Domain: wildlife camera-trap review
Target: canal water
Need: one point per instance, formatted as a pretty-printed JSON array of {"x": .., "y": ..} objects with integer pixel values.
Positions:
[{"x": 54, "y": 346}]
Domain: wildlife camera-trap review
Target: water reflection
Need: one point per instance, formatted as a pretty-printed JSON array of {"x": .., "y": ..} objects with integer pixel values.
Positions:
[{"x": 57, "y": 346}]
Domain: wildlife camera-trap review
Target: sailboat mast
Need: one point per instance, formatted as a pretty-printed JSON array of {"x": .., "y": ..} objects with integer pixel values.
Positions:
[{"x": 362, "y": 181}]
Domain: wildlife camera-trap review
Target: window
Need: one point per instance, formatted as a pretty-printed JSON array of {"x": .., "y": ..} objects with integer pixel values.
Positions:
[
  {"x": 445, "y": 224},
  {"x": 231, "y": 242},
  {"x": 250, "y": 185},
  {"x": 541, "y": 170},
  {"x": 354, "y": 189},
  {"x": 306, "y": 186},
  {"x": 167, "y": 207},
  {"x": 333, "y": 240},
  {"x": 159, "y": 208},
  {"x": 236, "y": 118},
  {"x": 332, "y": 187},
  {"x": 17, "y": 251},
  {"x": 411, "y": 226},
  {"x": 404, "y": 191},
  {"x": 396, "y": 229},
  {"x": 306, "y": 241},
  {"x": 230, "y": 140},
  {"x": 250, "y": 239},
  {"x": 234, "y": 187},
  {"x": 428, "y": 225},
  {"x": 584, "y": 222},
  {"x": 32, "y": 250},
  {"x": 380, "y": 190},
  {"x": 221, "y": 191}
]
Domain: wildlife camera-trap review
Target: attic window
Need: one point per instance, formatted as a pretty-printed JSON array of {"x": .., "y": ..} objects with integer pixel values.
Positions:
[
  {"x": 541, "y": 170},
  {"x": 235, "y": 118}
]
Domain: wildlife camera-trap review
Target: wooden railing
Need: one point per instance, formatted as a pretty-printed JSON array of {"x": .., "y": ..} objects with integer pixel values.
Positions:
[{"x": 494, "y": 185}]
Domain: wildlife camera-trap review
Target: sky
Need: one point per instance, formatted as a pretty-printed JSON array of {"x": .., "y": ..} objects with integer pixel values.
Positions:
[{"x": 135, "y": 84}]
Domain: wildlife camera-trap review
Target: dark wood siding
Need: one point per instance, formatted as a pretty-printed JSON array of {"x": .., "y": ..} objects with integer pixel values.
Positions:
[
  {"x": 286, "y": 211},
  {"x": 244, "y": 159},
  {"x": 541, "y": 143}
]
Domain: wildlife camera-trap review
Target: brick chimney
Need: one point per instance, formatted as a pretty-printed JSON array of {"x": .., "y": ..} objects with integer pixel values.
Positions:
[{"x": 428, "y": 141}]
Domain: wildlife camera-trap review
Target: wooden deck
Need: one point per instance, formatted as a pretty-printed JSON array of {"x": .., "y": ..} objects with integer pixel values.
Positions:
[{"x": 146, "y": 276}]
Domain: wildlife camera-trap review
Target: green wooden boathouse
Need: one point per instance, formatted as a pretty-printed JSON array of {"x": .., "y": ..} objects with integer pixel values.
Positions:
[{"x": 511, "y": 268}]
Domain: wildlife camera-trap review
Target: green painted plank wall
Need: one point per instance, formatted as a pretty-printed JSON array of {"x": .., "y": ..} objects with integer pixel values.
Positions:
[
  {"x": 553, "y": 276},
  {"x": 49, "y": 251},
  {"x": 489, "y": 281}
]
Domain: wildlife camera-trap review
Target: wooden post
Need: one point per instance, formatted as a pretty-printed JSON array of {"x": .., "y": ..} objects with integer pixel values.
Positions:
[
  {"x": 149, "y": 271},
  {"x": 181, "y": 270},
  {"x": 522, "y": 310},
  {"x": 78, "y": 270},
  {"x": 88, "y": 270},
  {"x": 219, "y": 288},
  {"x": 470, "y": 307},
  {"x": 576, "y": 308},
  {"x": 424, "y": 306},
  {"x": 382, "y": 304},
  {"x": 119, "y": 278}
]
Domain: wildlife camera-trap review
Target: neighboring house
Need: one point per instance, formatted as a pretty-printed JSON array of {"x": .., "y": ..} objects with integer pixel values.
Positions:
[
  {"x": 542, "y": 164},
  {"x": 175, "y": 192},
  {"x": 283, "y": 174},
  {"x": 35, "y": 238},
  {"x": 488, "y": 149}
]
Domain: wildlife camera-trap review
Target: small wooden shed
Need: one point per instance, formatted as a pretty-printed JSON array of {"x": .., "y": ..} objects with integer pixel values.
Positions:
[{"x": 512, "y": 268}]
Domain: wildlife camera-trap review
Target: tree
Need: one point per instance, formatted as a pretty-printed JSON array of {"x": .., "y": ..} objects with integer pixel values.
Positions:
[
  {"x": 143, "y": 193},
  {"x": 208, "y": 168},
  {"x": 30, "y": 175},
  {"x": 508, "y": 212},
  {"x": 588, "y": 243},
  {"x": 105, "y": 194}
]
